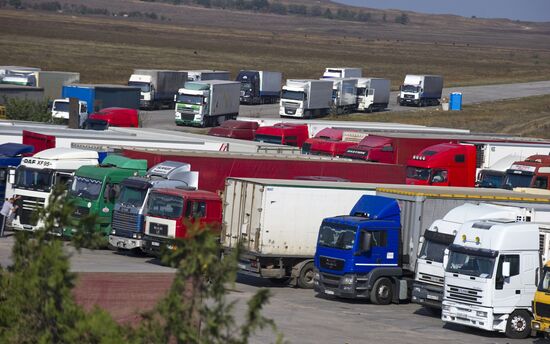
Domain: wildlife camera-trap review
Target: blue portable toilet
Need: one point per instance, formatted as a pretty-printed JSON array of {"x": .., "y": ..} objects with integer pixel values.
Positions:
[{"x": 455, "y": 101}]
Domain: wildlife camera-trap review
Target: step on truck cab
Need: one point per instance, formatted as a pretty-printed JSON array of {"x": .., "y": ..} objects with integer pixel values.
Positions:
[
  {"x": 541, "y": 304},
  {"x": 94, "y": 190},
  {"x": 491, "y": 275},
  {"x": 429, "y": 273},
  {"x": 36, "y": 176},
  {"x": 128, "y": 213},
  {"x": 259, "y": 86},
  {"x": 10, "y": 157},
  {"x": 168, "y": 212}
]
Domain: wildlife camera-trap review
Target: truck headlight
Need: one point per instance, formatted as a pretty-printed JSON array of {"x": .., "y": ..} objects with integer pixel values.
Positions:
[
  {"x": 347, "y": 280},
  {"x": 113, "y": 232},
  {"x": 136, "y": 235},
  {"x": 535, "y": 325},
  {"x": 481, "y": 314},
  {"x": 445, "y": 307}
]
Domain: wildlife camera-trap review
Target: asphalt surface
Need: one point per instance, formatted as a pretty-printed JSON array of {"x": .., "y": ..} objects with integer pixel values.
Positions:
[
  {"x": 164, "y": 119},
  {"x": 299, "y": 314}
]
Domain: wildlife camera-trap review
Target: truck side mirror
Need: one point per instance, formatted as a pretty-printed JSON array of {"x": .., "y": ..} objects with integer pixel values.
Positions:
[
  {"x": 445, "y": 258},
  {"x": 420, "y": 244},
  {"x": 366, "y": 241},
  {"x": 506, "y": 269}
]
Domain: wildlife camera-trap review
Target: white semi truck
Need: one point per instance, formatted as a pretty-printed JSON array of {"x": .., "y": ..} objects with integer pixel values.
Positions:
[
  {"x": 306, "y": 98},
  {"x": 207, "y": 103},
  {"x": 373, "y": 94},
  {"x": 344, "y": 94},
  {"x": 429, "y": 274},
  {"x": 491, "y": 274},
  {"x": 35, "y": 178},
  {"x": 421, "y": 90},
  {"x": 342, "y": 72},
  {"x": 158, "y": 87}
]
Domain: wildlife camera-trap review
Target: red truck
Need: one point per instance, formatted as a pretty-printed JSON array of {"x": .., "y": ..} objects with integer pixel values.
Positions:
[
  {"x": 215, "y": 167},
  {"x": 235, "y": 129},
  {"x": 533, "y": 172},
  {"x": 328, "y": 142},
  {"x": 114, "y": 117},
  {"x": 289, "y": 134},
  {"x": 169, "y": 210},
  {"x": 391, "y": 149}
]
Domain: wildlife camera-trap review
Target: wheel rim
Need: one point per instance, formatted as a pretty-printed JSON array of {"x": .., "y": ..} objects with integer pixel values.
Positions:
[
  {"x": 518, "y": 324},
  {"x": 308, "y": 276},
  {"x": 383, "y": 291}
]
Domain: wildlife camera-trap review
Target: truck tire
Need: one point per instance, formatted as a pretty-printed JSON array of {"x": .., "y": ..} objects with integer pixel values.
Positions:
[
  {"x": 381, "y": 292},
  {"x": 518, "y": 325},
  {"x": 305, "y": 278}
]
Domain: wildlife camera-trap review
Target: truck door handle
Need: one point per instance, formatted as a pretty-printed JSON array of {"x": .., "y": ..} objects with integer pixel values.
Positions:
[{"x": 518, "y": 291}]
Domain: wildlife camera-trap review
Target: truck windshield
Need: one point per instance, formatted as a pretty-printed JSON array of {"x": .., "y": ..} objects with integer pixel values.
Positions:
[
  {"x": 470, "y": 264},
  {"x": 433, "y": 250},
  {"x": 410, "y": 88},
  {"x": 268, "y": 138},
  {"x": 145, "y": 86},
  {"x": 336, "y": 236},
  {"x": 293, "y": 95},
  {"x": 189, "y": 99},
  {"x": 61, "y": 106},
  {"x": 246, "y": 86},
  {"x": 361, "y": 91},
  {"x": 32, "y": 179},
  {"x": 167, "y": 206},
  {"x": 514, "y": 180},
  {"x": 419, "y": 173},
  {"x": 490, "y": 179},
  {"x": 87, "y": 188},
  {"x": 544, "y": 284},
  {"x": 132, "y": 196}
]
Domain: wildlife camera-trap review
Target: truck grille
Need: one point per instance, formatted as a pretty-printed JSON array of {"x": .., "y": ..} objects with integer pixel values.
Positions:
[
  {"x": 542, "y": 310},
  {"x": 306, "y": 148},
  {"x": 158, "y": 229},
  {"x": 29, "y": 209},
  {"x": 462, "y": 294},
  {"x": 330, "y": 281},
  {"x": 80, "y": 212},
  {"x": 408, "y": 96},
  {"x": 431, "y": 279},
  {"x": 126, "y": 222},
  {"x": 331, "y": 263},
  {"x": 187, "y": 116}
]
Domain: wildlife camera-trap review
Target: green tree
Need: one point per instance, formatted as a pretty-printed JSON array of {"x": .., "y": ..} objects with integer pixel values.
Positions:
[{"x": 27, "y": 110}]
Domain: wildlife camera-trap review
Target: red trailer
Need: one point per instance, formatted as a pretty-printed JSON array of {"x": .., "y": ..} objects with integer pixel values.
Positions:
[{"x": 215, "y": 167}]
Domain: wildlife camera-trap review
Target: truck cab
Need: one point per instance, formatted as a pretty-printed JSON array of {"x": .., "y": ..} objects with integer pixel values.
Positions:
[
  {"x": 60, "y": 110},
  {"x": 358, "y": 255},
  {"x": 541, "y": 304},
  {"x": 168, "y": 212},
  {"x": 36, "y": 176},
  {"x": 235, "y": 129},
  {"x": 445, "y": 164},
  {"x": 95, "y": 188},
  {"x": 421, "y": 90},
  {"x": 128, "y": 212},
  {"x": 145, "y": 84},
  {"x": 533, "y": 172},
  {"x": 329, "y": 142},
  {"x": 289, "y": 134},
  {"x": 491, "y": 275},
  {"x": 113, "y": 117},
  {"x": 373, "y": 148},
  {"x": 10, "y": 156}
]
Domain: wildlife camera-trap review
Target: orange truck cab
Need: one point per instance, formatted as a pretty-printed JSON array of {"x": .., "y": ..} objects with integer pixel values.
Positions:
[{"x": 169, "y": 211}]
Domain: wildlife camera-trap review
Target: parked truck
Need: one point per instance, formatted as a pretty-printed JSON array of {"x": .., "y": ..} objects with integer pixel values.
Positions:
[
  {"x": 344, "y": 95},
  {"x": 289, "y": 134},
  {"x": 235, "y": 129},
  {"x": 11, "y": 155},
  {"x": 306, "y": 98},
  {"x": 421, "y": 90},
  {"x": 491, "y": 274},
  {"x": 92, "y": 98},
  {"x": 373, "y": 94},
  {"x": 342, "y": 72},
  {"x": 128, "y": 223},
  {"x": 158, "y": 87},
  {"x": 429, "y": 274},
  {"x": 277, "y": 222},
  {"x": 168, "y": 212},
  {"x": 332, "y": 142},
  {"x": 458, "y": 164},
  {"x": 94, "y": 190},
  {"x": 50, "y": 81},
  {"x": 541, "y": 304},
  {"x": 533, "y": 172},
  {"x": 36, "y": 176},
  {"x": 207, "y": 103},
  {"x": 206, "y": 74},
  {"x": 259, "y": 87}
]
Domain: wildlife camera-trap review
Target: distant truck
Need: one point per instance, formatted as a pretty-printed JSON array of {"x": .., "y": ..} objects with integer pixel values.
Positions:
[
  {"x": 342, "y": 72},
  {"x": 332, "y": 142},
  {"x": 533, "y": 172},
  {"x": 235, "y": 129},
  {"x": 306, "y": 98},
  {"x": 207, "y": 103},
  {"x": 10, "y": 156},
  {"x": 289, "y": 134},
  {"x": 206, "y": 74},
  {"x": 94, "y": 190},
  {"x": 158, "y": 87},
  {"x": 50, "y": 81},
  {"x": 373, "y": 94},
  {"x": 344, "y": 94},
  {"x": 93, "y": 98},
  {"x": 259, "y": 87},
  {"x": 421, "y": 90}
]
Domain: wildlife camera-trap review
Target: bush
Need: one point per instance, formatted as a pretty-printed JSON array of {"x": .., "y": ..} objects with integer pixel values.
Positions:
[{"x": 27, "y": 110}]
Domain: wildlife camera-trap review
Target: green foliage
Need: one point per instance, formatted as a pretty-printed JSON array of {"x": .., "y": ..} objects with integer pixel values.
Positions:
[{"x": 27, "y": 110}]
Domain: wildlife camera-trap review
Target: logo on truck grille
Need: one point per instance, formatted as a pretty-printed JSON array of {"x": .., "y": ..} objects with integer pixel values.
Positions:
[
  {"x": 158, "y": 229},
  {"x": 331, "y": 263}
]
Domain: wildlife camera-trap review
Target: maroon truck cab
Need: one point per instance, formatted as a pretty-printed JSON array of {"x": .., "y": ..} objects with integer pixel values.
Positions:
[
  {"x": 289, "y": 134},
  {"x": 532, "y": 172},
  {"x": 235, "y": 129},
  {"x": 444, "y": 164},
  {"x": 327, "y": 142},
  {"x": 117, "y": 117},
  {"x": 168, "y": 211}
]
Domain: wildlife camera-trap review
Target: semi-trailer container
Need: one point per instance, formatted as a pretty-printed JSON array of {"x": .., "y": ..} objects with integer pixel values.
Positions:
[
  {"x": 259, "y": 86},
  {"x": 421, "y": 90},
  {"x": 158, "y": 87},
  {"x": 50, "y": 81},
  {"x": 342, "y": 72},
  {"x": 206, "y": 74},
  {"x": 344, "y": 94},
  {"x": 306, "y": 98}
]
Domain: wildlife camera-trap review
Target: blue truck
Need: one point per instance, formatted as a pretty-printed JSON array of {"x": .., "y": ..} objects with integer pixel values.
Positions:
[
  {"x": 360, "y": 255},
  {"x": 10, "y": 156}
]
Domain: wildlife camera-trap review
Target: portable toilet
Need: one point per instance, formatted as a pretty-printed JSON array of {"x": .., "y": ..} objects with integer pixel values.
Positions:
[{"x": 455, "y": 101}]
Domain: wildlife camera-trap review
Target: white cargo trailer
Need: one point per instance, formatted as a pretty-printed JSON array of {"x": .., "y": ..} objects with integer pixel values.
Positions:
[
  {"x": 373, "y": 94},
  {"x": 306, "y": 98},
  {"x": 342, "y": 72},
  {"x": 344, "y": 94},
  {"x": 277, "y": 222},
  {"x": 158, "y": 87},
  {"x": 206, "y": 74}
]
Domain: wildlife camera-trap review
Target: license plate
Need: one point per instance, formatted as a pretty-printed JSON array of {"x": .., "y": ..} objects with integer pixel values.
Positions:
[
  {"x": 329, "y": 292},
  {"x": 432, "y": 297},
  {"x": 154, "y": 243}
]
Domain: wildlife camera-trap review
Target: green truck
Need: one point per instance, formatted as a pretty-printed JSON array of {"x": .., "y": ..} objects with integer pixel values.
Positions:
[{"x": 94, "y": 190}]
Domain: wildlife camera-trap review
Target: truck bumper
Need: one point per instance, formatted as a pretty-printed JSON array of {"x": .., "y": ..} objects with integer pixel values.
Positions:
[
  {"x": 345, "y": 286},
  {"x": 125, "y": 243},
  {"x": 154, "y": 245},
  {"x": 473, "y": 316},
  {"x": 427, "y": 294},
  {"x": 541, "y": 326}
]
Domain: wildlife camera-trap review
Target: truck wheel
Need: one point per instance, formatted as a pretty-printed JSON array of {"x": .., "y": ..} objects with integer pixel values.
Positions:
[
  {"x": 518, "y": 325},
  {"x": 382, "y": 292},
  {"x": 305, "y": 279}
]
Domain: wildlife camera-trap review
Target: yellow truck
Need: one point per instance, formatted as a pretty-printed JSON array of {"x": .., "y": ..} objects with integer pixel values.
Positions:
[{"x": 541, "y": 304}]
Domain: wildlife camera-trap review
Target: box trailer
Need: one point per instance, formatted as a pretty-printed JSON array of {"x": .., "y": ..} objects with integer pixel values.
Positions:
[
  {"x": 259, "y": 86},
  {"x": 306, "y": 98},
  {"x": 158, "y": 87},
  {"x": 342, "y": 72},
  {"x": 373, "y": 94},
  {"x": 421, "y": 90},
  {"x": 344, "y": 94},
  {"x": 206, "y": 74}
]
